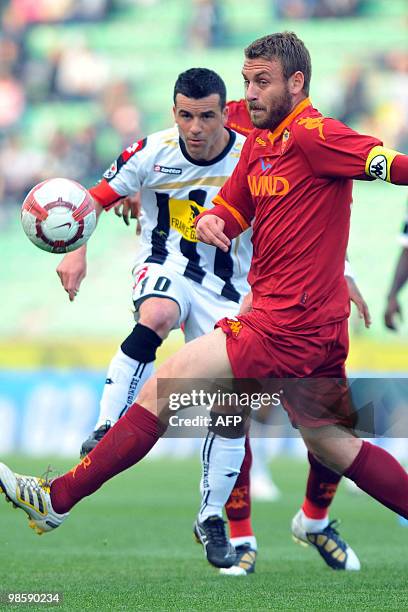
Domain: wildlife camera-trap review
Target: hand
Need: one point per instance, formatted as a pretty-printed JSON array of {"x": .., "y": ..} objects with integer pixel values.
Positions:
[
  {"x": 72, "y": 271},
  {"x": 210, "y": 230},
  {"x": 246, "y": 304},
  {"x": 393, "y": 309},
  {"x": 131, "y": 205},
  {"x": 359, "y": 301}
]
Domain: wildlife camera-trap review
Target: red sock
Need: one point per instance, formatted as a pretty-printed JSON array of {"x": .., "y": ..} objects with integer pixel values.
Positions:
[
  {"x": 321, "y": 487},
  {"x": 238, "y": 506},
  {"x": 380, "y": 475},
  {"x": 129, "y": 440}
]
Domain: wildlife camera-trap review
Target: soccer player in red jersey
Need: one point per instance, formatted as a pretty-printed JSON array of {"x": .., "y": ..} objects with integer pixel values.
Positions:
[
  {"x": 294, "y": 183},
  {"x": 322, "y": 483}
]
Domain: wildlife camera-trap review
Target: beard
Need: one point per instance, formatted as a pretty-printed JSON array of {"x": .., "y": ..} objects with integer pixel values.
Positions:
[{"x": 280, "y": 108}]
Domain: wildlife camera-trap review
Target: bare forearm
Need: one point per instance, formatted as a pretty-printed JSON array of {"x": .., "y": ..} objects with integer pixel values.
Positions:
[{"x": 401, "y": 274}]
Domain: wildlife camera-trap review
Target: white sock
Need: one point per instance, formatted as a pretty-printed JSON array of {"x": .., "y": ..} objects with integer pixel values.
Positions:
[
  {"x": 221, "y": 460},
  {"x": 124, "y": 379},
  {"x": 312, "y": 525},
  {"x": 251, "y": 540}
]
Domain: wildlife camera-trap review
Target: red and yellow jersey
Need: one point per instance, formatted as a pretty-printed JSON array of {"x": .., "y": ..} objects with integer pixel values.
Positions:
[
  {"x": 295, "y": 186},
  {"x": 238, "y": 117}
]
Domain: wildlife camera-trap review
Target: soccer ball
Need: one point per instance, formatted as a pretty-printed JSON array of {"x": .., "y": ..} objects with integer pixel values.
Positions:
[{"x": 58, "y": 215}]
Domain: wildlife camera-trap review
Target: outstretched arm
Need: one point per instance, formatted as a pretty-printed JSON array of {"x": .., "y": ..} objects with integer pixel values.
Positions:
[
  {"x": 393, "y": 307},
  {"x": 72, "y": 268}
]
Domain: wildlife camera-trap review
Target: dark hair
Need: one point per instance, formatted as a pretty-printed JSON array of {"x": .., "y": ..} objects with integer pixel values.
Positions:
[
  {"x": 199, "y": 83},
  {"x": 288, "y": 49}
]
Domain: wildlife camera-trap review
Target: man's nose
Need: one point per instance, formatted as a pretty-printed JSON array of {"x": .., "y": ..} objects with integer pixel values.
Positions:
[
  {"x": 196, "y": 126},
  {"x": 251, "y": 92}
]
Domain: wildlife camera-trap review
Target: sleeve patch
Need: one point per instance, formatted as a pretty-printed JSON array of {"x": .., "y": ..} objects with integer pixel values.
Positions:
[
  {"x": 124, "y": 157},
  {"x": 378, "y": 164}
]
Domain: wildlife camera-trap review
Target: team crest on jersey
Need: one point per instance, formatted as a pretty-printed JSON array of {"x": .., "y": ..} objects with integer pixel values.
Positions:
[
  {"x": 285, "y": 138},
  {"x": 235, "y": 326},
  {"x": 167, "y": 169},
  {"x": 182, "y": 216},
  {"x": 111, "y": 171}
]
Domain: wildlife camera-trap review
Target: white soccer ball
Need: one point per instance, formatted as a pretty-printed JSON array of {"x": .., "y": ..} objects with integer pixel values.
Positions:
[{"x": 58, "y": 215}]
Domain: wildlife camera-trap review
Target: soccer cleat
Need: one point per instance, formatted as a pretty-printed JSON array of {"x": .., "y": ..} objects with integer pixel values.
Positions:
[
  {"x": 95, "y": 437},
  {"x": 33, "y": 496},
  {"x": 217, "y": 548},
  {"x": 335, "y": 551},
  {"x": 244, "y": 564}
]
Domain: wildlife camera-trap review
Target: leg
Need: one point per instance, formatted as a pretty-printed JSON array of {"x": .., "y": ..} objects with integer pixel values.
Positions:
[
  {"x": 238, "y": 509},
  {"x": 134, "y": 362},
  {"x": 125, "y": 444},
  {"x": 373, "y": 469},
  {"x": 312, "y": 520},
  {"x": 132, "y": 437},
  {"x": 161, "y": 301}
]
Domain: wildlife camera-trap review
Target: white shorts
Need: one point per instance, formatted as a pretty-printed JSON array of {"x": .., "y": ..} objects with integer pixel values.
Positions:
[{"x": 200, "y": 308}]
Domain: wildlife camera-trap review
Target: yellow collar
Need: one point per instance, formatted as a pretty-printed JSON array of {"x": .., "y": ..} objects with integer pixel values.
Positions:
[{"x": 288, "y": 120}]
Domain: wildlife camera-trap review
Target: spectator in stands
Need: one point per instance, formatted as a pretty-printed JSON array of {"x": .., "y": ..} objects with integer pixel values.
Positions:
[
  {"x": 207, "y": 28},
  {"x": 21, "y": 167},
  {"x": 355, "y": 104},
  {"x": 12, "y": 99},
  {"x": 81, "y": 72},
  {"x": 305, "y": 9}
]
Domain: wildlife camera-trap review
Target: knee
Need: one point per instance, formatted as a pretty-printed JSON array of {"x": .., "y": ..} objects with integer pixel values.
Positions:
[
  {"x": 337, "y": 452},
  {"x": 160, "y": 315}
]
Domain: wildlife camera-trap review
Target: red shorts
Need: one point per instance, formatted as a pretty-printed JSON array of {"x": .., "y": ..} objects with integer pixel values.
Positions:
[{"x": 257, "y": 351}]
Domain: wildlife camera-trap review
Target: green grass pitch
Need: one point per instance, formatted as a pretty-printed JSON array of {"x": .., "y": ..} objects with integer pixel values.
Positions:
[{"x": 130, "y": 547}]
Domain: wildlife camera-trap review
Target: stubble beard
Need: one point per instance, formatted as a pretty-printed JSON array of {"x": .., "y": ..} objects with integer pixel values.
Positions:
[{"x": 281, "y": 108}]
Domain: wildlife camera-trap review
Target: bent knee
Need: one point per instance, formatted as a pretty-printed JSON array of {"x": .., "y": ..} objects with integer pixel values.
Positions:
[
  {"x": 159, "y": 314},
  {"x": 334, "y": 449}
]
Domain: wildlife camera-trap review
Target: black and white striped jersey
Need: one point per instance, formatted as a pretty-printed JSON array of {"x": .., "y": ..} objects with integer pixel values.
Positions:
[{"x": 174, "y": 189}]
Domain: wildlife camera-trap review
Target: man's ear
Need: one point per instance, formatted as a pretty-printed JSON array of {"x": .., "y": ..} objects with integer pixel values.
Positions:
[
  {"x": 225, "y": 114},
  {"x": 296, "y": 82}
]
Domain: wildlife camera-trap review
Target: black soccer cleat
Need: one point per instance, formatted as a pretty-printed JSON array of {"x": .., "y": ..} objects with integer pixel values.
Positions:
[
  {"x": 95, "y": 437},
  {"x": 217, "y": 548},
  {"x": 244, "y": 562}
]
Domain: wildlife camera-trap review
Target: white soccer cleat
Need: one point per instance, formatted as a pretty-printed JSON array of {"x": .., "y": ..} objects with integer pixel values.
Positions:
[
  {"x": 331, "y": 547},
  {"x": 32, "y": 495}
]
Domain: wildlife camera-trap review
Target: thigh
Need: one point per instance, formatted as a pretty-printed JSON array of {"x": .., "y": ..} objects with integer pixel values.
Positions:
[
  {"x": 206, "y": 309},
  {"x": 205, "y": 357},
  {"x": 159, "y": 281}
]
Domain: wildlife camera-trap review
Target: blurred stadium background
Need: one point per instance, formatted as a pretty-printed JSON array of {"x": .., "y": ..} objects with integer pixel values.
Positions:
[{"x": 80, "y": 79}]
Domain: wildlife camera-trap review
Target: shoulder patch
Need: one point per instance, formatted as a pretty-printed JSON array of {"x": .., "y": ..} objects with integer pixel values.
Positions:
[
  {"x": 313, "y": 123},
  {"x": 124, "y": 157}
]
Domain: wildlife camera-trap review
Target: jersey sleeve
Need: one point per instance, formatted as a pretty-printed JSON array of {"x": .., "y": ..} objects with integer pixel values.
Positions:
[
  {"x": 124, "y": 177},
  {"x": 238, "y": 117},
  {"x": 332, "y": 149}
]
